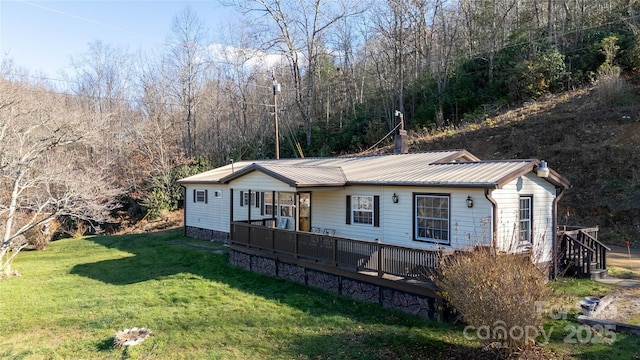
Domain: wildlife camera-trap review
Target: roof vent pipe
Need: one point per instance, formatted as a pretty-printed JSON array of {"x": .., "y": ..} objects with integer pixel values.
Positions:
[{"x": 543, "y": 170}]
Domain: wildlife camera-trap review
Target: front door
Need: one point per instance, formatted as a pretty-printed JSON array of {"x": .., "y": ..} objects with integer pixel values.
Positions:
[{"x": 304, "y": 211}]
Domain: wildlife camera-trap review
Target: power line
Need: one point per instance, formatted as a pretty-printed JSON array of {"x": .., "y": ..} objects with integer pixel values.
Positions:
[{"x": 91, "y": 21}]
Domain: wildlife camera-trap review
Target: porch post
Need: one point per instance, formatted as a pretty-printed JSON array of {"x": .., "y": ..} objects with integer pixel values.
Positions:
[
  {"x": 380, "y": 254},
  {"x": 274, "y": 207},
  {"x": 249, "y": 208}
]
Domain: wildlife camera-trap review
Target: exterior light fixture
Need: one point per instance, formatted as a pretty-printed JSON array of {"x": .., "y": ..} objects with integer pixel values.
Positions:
[
  {"x": 394, "y": 198},
  {"x": 469, "y": 201},
  {"x": 543, "y": 170}
]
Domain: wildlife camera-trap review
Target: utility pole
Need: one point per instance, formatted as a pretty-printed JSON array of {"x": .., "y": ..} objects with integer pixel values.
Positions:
[{"x": 276, "y": 90}]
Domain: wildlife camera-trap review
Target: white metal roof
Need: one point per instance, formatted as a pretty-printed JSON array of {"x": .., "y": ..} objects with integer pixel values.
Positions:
[{"x": 452, "y": 168}]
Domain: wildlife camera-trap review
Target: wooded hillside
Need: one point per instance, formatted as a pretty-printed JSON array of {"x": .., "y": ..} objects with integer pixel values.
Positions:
[
  {"x": 596, "y": 147},
  {"x": 496, "y": 77}
]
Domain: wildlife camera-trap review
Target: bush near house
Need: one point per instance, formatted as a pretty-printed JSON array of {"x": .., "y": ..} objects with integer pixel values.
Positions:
[{"x": 495, "y": 292}]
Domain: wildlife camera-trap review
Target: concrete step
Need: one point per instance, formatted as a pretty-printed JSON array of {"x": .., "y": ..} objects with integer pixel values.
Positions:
[{"x": 598, "y": 274}]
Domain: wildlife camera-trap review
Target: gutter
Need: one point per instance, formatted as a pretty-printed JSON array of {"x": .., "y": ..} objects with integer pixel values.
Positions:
[
  {"x": 184, "y": 210},
  {"x": 494, "y": 215},
  {"x": 554, "y": 219}
]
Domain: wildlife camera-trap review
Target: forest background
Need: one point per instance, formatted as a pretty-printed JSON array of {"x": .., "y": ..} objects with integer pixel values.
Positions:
[{"x": 547, "y": 79}]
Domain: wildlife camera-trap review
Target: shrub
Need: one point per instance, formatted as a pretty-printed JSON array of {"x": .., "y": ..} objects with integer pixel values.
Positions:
[
  {"x": 157, "y": 202},
  {"x": 40, "y": 236},
  {"x": 495, "y": 292},
  {"x": 165, "y": 193},
  {"x": 611, "y": 89}
]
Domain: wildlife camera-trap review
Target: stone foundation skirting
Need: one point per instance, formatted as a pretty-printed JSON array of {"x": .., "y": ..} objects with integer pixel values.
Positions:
[
  {"x": 418, "y": 305},
  {"x": 206, "y": 234}
]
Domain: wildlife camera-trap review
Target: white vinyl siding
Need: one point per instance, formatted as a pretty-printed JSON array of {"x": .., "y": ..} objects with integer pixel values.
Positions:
[
  {"x": 257, "y": 183},
  {"x": 468, "y": 226},
  {"x": 508, "y": 232},
  {"x": 212, "y": 214}
]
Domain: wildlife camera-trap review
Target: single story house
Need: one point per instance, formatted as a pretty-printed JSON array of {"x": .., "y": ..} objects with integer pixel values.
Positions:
[{"x": 436, "y": 200}]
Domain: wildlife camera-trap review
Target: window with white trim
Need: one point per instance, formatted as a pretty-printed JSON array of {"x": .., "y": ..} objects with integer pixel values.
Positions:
[
  {"x": 526, "y": 218},
  {"x": 432, "y": 218},
  {"x": 201, "y": 196},
  {"x": 286, "y": 204},
  {"x": 362, "y": 209},
  {"x": 268, "y": 203}
]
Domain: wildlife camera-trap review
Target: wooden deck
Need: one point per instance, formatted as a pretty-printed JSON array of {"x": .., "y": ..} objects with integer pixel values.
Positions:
[
  {"x": 332, "y": 253},
  {"x": 580, "y": 252}
]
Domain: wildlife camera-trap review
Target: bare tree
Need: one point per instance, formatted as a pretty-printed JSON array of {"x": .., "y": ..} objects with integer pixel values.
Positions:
[
  {"x": 157, "y": 143},
  {"x": 44, "y": 167},
  {"x": 299, "y": 31},
  {"x": 102, "y": 85},
  {"x": 188, "y": 63}
]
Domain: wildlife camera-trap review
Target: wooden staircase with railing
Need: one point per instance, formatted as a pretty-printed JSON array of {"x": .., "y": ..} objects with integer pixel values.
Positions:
[{"x": 581, "y": 254}]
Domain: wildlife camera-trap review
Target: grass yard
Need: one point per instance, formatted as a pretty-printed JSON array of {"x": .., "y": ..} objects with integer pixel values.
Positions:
[{"x": 73, "y": 297}]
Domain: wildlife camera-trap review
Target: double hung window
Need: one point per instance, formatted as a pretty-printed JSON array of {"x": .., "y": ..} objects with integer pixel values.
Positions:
[
  {"x": 526, "y": 218},
  {"x": 432, "y": 217},
  {"x": 362, "y": 210}
]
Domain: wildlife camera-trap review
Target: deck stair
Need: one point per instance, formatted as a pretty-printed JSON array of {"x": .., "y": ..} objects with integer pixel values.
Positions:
[{"x": 582, "y": 254}]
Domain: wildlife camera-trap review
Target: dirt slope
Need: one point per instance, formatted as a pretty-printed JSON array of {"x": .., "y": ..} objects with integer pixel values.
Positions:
[{"x": 595, "y": 147}]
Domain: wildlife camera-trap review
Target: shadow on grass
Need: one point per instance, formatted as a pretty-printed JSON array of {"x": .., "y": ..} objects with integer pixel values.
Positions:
[
  {"x": 106, "y": 345},
  {"x": 623, "y": 346},
  {"x": 384, "y": 345},
  {"x": 153, "y": 256},
  {"x": 160, "y": 255}
]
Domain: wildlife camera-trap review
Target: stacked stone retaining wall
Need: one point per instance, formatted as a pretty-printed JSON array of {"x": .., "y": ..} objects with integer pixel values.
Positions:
[
  {"x": 418, "y": 305},
  {"x": 206, "y": 234}
]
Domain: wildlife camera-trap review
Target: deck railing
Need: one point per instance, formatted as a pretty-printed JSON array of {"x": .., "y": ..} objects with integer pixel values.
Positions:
[
  {"x": 582, "y": 249},
  {"x": 328, "y": 250},
  {"x": 576, "y": 254}
]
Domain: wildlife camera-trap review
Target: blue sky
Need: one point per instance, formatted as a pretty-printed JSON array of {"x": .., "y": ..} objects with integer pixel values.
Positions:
[{"x": 43, "y": 35}]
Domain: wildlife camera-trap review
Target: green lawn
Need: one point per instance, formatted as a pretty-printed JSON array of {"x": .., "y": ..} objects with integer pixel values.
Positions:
[{"x": 74, "y": 296}]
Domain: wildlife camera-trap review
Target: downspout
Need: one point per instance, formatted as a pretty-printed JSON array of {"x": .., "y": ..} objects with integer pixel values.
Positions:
[
  {"x": 184, "y": 212},
  {"x": 554, "y": 240},
  {"x": 230, "y": 213},
  {"x": 494, "y": 220}
]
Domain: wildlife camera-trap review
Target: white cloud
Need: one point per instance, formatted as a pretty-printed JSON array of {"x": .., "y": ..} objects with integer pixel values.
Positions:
[{"x": 250, "y": 59}]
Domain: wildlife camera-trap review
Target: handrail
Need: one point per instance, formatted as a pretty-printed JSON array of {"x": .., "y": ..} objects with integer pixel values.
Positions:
[
  {"x": 350, "y": 254},
  {"x": 244, "y": 223},
  {"x": 600, "y": 250},
  {"x": 576, "y": 230},
  {"x": 595, "y": 240},
  {"x": 582, "y": 255},
  {"x": 579, "y": 243}
]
